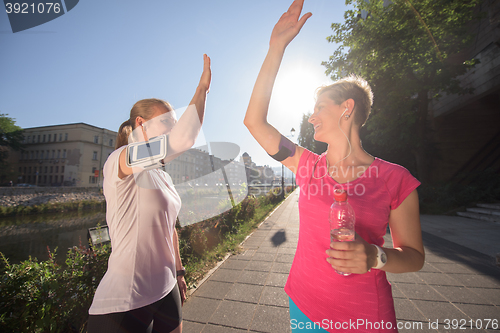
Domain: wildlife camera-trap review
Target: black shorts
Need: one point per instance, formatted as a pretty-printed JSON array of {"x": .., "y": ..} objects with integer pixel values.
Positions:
[{"x": 164, "y": 315}]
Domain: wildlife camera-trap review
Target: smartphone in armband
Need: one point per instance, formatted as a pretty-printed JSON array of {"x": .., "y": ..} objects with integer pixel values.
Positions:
[{"x": 147, "y": 154}]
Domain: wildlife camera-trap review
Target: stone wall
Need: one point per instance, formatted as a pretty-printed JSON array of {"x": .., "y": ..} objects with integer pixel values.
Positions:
[{"x": 30, "y": 196}]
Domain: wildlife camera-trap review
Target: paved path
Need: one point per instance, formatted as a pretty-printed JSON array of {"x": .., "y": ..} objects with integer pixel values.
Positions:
[{"x": 459, "y": 280}]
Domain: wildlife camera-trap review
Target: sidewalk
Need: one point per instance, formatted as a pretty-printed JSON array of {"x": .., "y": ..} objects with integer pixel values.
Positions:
[{"x": 458, "y": 281}]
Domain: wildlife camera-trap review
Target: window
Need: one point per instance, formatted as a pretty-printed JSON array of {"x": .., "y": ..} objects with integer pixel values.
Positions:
[
  {"x": 29, "y": 139},
  {"x": 45, "y": 171},
  {"x": 62, "y": 169},
  {"x": 47, "y": 156},
  {"x": 43, "y": 138},
  {"x": 96, "y": 139},
  {"x": 31, "y": 155},
  {"x": 20, "y": 169},
  {"x": 24, "y": 170},
  {"x": 65, "y": 136},
  {"x": 36, "y": 155},
  {"x": 50, "y": 179},
  {"x": 45, "y": 179},
  {"x": 59, "y": 153},
  {"x": 60, "y": 136},
  {"x": 51, "y": 168},
  {"x": 64, "y": 153},
  {"x": 50, "y": 135},
  {"x": 53, "y": 154},
  {"x": 55, "y": 137},
  {"x": 29, "y": 170},
  {"x": 94, "y": 156},
  {"x": 111, "y": 142}
]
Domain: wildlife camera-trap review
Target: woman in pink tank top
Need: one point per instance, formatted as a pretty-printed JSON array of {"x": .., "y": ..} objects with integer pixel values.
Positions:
[{"x": 382, "y": 194}]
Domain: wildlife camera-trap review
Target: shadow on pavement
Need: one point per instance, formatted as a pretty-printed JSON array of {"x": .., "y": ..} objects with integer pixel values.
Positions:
[
  {"x": 477, "y": 261},
  {"x": 279, "y": 238}
]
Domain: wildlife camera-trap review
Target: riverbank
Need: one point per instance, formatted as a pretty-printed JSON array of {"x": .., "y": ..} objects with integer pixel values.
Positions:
[
  {"x": 33, "y": 200},
  {"x": 33, "y": 196}
]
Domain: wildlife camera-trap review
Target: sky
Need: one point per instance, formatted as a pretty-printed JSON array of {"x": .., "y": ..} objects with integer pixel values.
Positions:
[{"x": 93, "y": 63}]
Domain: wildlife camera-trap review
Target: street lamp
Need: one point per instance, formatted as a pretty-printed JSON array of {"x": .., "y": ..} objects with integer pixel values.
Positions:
[{"x": 292, "y": 133}]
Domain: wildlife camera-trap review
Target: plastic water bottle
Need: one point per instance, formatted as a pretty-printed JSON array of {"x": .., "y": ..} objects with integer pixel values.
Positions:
[{"x": 342, "y": 220}]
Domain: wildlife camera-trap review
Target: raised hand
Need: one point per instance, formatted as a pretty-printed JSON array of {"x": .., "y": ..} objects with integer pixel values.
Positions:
[
  {"x": 206, "y": 76},
  {"x": 289, "y": 25}
]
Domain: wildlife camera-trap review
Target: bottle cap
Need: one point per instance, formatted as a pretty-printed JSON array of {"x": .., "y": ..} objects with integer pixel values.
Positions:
[{"x": 340, "y": 195}]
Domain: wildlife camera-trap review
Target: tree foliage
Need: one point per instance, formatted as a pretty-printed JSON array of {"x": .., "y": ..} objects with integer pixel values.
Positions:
[
  {"x": 306, "y": 136},
  {"x": 409, "y": 52},
  {"x": 11, "y": 136}
]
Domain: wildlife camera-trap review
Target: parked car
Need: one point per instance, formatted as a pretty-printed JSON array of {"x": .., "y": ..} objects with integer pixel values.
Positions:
[{"x": 25, "y": 185}]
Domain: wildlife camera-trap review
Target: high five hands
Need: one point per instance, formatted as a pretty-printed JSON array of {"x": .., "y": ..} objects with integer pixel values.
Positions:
[
  {"x": 206, "y": 76},
  {"x": 289, "y": 25}
]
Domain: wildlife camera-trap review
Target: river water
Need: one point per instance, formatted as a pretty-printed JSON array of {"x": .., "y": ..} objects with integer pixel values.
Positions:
[{"x": 22, "y": 237}]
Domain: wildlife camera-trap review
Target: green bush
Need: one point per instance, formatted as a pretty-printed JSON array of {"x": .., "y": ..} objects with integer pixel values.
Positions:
[{"x": 47, "y": 297}]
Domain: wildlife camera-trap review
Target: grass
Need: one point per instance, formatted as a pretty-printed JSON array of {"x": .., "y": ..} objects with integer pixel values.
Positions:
[{"x": 197, "y": 267}]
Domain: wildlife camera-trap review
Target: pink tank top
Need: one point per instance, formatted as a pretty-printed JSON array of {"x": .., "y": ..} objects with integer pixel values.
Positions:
[{"x": 321, "y": 294}]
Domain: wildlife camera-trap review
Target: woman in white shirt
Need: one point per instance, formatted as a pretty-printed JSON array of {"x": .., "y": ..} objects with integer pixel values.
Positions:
[{"x": 144, "y": 287}]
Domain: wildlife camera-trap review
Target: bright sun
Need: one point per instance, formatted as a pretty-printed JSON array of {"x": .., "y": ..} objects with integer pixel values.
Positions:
[{"x": 294, "y": 92}]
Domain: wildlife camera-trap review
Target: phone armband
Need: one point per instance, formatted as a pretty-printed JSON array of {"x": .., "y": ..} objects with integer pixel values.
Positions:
[{"x": 286, "y": 149}]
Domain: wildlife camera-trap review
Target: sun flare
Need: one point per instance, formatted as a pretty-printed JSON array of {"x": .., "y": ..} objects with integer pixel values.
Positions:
[{"x": 295, "y": 91}]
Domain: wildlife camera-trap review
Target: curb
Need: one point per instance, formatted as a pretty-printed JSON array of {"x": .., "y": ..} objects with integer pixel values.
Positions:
[{"x": 213, "y": 270}]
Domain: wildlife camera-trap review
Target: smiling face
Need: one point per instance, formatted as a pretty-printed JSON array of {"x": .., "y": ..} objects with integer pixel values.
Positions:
[{"x": 325, "y": 118}]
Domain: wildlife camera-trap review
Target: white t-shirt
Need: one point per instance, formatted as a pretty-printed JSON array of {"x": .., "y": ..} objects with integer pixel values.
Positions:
[{"x": 141, "y": 214}]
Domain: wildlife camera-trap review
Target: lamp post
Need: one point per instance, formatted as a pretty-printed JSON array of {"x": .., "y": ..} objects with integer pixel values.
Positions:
[{"x": 292, "y": 133}]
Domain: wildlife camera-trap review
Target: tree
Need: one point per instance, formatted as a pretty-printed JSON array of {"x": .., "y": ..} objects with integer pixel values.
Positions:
[
  {"x": 306, "y": 136},
  {"x": 11, "y": 137},
  {"x": 409, "y": 52}
]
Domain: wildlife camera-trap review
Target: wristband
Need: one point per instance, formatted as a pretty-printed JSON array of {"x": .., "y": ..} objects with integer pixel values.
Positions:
[
  {"x": 181, "y": 272},
  {"x": 381, "y": 257}
]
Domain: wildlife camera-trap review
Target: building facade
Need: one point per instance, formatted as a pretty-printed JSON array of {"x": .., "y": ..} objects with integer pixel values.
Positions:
[
  {"x": 74, "y": 155},
  {"x": 467, "y": 127},
  {"x": 63, "y": 155},
  {"x": 203, "y": 169}
]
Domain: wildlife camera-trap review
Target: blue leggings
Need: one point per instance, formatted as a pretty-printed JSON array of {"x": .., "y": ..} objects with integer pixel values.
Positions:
[{"x": 299, "y": 321}]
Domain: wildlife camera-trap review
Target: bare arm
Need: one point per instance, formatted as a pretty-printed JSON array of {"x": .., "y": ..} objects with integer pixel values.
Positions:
[
  {"x": 178, "y": 266},
  {"x": 184, "y": 133},
  {"x": 407, "y": 255},
  {"x": 283, "y": 33}
]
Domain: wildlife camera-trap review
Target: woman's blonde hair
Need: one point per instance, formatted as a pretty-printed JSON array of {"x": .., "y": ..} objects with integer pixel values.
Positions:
[
  {"x": 144, "y": 108},
  {"x": 354, "y": 87}
]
